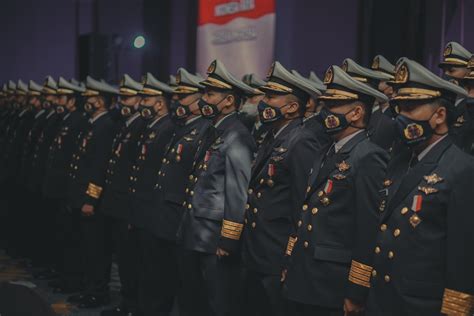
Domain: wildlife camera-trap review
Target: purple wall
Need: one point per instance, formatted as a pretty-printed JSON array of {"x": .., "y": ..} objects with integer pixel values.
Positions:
[{"x": 39, "y": 37}]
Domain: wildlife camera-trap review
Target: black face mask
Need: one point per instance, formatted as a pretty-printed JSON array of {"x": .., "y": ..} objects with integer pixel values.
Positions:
[
  {"x": 209, "y": 111},
  {"x": 332, "y": 122},
  {"x": 180, "y": 112},
  {"x": 127, "y": 111},
  {"x": 269, "y": 114},
  {"x": 147, "y": 112},
  {"x": 414, "y": 132}
]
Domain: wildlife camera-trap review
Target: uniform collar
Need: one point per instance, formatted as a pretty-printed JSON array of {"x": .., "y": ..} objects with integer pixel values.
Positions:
[
  {"x": 192, "y": 120},
  {"x": 66, "y": 116},
  {"x": 339, "y": 144},
  {"x": 51, "y": 112},
  {"x": 131, "y": 119},
  {"x": 39, "y": 113},
  {"x": 92, "y": 120},
  {"x": 223, "y": 119},
  {"x": 156, "y": 120},
  {"x": 427, "y": 149}
]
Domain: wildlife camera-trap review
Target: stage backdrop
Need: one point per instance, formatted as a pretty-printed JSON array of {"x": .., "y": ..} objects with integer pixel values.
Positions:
[{"x": 239, "y": 33}]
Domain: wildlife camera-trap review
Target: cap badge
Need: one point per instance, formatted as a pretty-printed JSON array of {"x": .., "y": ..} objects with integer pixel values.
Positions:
[
  {"x": 212, "y": 67},
  {"x": 401, "y": 76},
  {"x": 376, "y": 63},
  {"x": 328, "y": 76}
]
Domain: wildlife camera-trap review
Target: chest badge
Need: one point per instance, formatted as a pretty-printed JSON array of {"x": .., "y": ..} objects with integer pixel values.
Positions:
[
  {"x": 281, "y": 150},
  {"x": 427, "y": 190},
  {"x": 339, "y": 176},
  {"x": 152, "y": 135},
  {"x": 387, "y": 182},
  {"x": 433, "y": 179},
  {"x": 343, "y": 166}
]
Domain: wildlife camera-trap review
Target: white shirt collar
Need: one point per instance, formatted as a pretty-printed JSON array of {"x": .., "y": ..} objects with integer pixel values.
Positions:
[
  {"x": 222, "y": 119},
  {"x": 192, "y": 120},
  {"x": 132, "y": 118},
  {"x": 39, "y": 113},
  {"x": 92, "y": 120},
  {"x": 339, "y": 144},
  {"x": 427, "y": 149},
  {"x": 156, "y": 120}
]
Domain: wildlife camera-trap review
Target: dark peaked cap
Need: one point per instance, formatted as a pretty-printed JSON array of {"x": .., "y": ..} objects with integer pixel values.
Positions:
[
  {"x": 220, "y": 78},
  {"x": 415, "y": 82},
  {"x": 281, "y": 81},
  {"x": 66, "y": 87},
  {"x": 94, "y": 87},
  {"x": 341, "y": 86},
  {"x": 152, "y": 86}
]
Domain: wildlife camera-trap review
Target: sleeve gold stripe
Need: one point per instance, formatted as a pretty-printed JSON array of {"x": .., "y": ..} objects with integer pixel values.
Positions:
[
  {"x": 291, "y": 245},
  {"x": 361, "y": 266},
  {"x": 360, "y": 273},
  {"x": 231, "y": 230},
  {"x": 359, "y": 282},
  {"x": 94, "y": 191},
  {"x": 457, "y": 303}
]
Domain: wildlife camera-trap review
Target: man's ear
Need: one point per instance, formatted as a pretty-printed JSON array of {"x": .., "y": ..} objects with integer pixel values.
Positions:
[
  {"x": 230, "y": 100},
  {"x": 441, "y": 116},
  {"x": 293, "y": 107},
  {"x": 358, "y": 112}
]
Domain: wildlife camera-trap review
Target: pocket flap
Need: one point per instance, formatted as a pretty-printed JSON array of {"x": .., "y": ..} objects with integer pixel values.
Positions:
[
  {"x": 208, "y": 213},
  {"x": 340, "y": 255},
  {"x": 174, "y": 197},
  {"x": 422, "y": 288}
]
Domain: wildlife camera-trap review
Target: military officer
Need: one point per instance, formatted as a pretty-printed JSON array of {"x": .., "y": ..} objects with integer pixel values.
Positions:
[
  {"x": 248, "y": 112},
  {"x": 425, "y": 226},
  {"x": 313, "y": 107},
  {"x": 454, "y": 66},
  {"x": 18, "y": 128},
  {"x": 250, "y": 107},
  {"x": 277, "y": 188},
  {"x": 154, "y": 108},
  {"x": 115, "y": 203},
  {"x": 466, "y": 142},
  {"x": 215, "y": 205},
  {"x": 72, "y": 121},
  {"x": 339, "y": 215},
  {"x": 86, "y": 183},
  {"x": 165, "y": 211},
  {"x": 381, "y": 129}
]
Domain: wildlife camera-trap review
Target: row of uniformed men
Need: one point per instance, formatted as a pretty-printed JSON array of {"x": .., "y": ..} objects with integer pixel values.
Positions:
[{"x": 319, "y": 221}]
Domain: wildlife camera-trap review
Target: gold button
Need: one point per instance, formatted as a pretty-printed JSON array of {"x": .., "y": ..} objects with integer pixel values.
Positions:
[
  {"x": 377, "y": 249},
  {"x": 191, "y": 177},
  {"x": 195, "y": 180},
  {"x": 261, "y": 181},
  {"x": 164, "y": 160},
  {"x": 314, "y": 210},
  {"x": 255, "y": 210},
  {"x": 254, "y": 224},
  {"x": 383, "y": 227},
  {"x": 386, "y": 278},
  {"x": 305, "y": 207},
  {"x": 246, "y": 221},
  {"x": 390, "y": 254},
  {"x": 259, "y": 195},
  {"x": 310, "y": 228},
  {"x": 192, "y": 193},
  {"x": 374, "y": 273},
  {"x": 306, "y": 244},
  {"x": 404, "y": 210},
  {"x": 247, "y": 206},
  {"x": 320, "y": 193},
  {"x": 250, "y": 191},
  {"x": 159, "y": 173},
  {"x": 172, "y": 150},
  {"x": 308, "y": 189},
  {"x": 300, "y": 223},
  {"x": 190, "y": 206},
  {"x": 184, "y": 203},
  {"x": 187, "y": 190},
  {"x": 396, "y": 232}
]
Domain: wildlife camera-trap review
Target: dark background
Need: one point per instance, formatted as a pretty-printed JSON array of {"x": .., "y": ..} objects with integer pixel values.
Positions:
[{"x": 74, "y": 37}]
